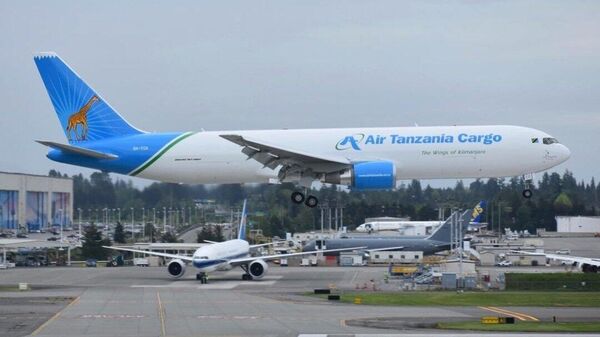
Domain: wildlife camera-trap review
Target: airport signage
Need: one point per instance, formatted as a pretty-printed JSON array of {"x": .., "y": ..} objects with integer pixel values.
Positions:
[{"x": 497, "y": 320}]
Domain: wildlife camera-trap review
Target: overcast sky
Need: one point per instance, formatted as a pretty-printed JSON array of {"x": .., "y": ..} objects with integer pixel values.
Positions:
[{"x": 187, "y": 65}]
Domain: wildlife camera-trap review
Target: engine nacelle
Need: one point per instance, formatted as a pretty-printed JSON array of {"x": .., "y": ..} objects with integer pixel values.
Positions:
[
  {"x": 258, "y": 269},
  {"x": 176, "y": 268},
  {"x": 372, "y": 175},
  {"x": 588, "y": 268}
]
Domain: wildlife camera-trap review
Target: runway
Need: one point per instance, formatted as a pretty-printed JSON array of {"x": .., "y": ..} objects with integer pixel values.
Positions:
[{"x": 137, "y": 301}]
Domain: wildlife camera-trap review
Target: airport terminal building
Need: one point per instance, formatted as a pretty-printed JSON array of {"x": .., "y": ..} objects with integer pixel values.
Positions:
[{"x": 34, "y": 202}]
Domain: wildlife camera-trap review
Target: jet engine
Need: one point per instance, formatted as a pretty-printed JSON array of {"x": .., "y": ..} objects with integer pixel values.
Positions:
[
  {"x": 258, "y": 269},
  {"x": 176, "y": 268},
  {"x": 588, "y": 268},
  {"x": 365, "y": 176}
]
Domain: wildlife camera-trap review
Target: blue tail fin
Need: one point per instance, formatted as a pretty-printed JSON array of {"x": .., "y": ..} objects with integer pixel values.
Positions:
[
  {"x": 83, "y": 114},
  {"x": 478, "y": 212},
  {"x": 242, "y": 232}
]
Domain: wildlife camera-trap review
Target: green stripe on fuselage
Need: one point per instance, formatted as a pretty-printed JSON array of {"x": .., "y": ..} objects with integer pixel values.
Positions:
[{"x": 160, "y": 153}]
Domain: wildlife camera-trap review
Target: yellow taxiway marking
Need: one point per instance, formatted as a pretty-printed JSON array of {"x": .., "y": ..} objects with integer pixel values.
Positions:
[
  {"x": 161, "y": 315},
  {"x": 517, "y": 315},
  {"x": 53, "y": 318}
]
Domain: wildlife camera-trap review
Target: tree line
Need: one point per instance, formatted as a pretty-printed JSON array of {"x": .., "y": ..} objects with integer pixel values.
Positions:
[{"x": 272, "y": 211}]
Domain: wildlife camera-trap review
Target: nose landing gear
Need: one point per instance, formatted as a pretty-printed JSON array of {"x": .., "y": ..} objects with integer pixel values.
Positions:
[
  {"x": 527, "y": 193},
  {"x": 202, "y": 277}
]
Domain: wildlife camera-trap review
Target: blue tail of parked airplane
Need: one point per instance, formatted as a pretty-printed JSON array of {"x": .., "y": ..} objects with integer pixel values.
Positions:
[
  {"x": 478, "y": 212},
  {"x": 83, "y": 114},
  {"x": 442, "y": 233},
  {"x": 243, "y": 219}
]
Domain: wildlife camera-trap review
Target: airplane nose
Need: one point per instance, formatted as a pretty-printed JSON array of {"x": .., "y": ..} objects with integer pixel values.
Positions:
[{"x": 564, "y": 153}]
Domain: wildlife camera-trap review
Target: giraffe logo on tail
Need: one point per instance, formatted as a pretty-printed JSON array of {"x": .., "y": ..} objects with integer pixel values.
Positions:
[{"x": 80, "y": 117}]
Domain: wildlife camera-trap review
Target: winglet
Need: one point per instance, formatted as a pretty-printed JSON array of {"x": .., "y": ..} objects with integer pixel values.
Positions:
[{"x": 242, "y": 232}]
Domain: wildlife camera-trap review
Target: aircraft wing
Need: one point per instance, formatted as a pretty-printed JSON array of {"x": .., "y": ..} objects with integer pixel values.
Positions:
[
  {"x": 261, "y": 245},
  {"x": 384, "y": 249},
  {"x": 237, "y": 262},
  {"x": 272, "y": 156},
  {"x": 78, "y": 150},
  {"x": 565, "y": 258},
  {"x": 171, "y": 256}
]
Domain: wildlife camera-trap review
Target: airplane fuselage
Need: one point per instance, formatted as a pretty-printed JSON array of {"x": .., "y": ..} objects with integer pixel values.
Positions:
[
  {"x": 428, "y": 247},
  {"x": 416, "y": 152},
  {"x": 216, "y": 256}
]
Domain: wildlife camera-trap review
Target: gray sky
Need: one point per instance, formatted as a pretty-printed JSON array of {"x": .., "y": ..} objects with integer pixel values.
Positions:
[{"x": 186, "y": 65}]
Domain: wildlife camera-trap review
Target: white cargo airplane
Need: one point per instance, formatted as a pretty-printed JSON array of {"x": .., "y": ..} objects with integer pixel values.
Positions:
[
  {"x": 585, "y": 264},
  {"x": 223, "y": 256},
  {"x": 382, "y": 226},
  {"x": 361, "y": 158}
]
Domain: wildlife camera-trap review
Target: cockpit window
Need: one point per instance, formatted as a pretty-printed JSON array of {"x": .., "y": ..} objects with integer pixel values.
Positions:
[
  {"x": 204, "y": 257},
  {"x": 548, "y": 141}
]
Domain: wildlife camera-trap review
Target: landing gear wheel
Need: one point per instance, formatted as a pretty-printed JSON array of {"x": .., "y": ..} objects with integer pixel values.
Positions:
[
  {"x": 202, "y": 278},
  {"x": 311, "y": 201},
  {"x": 297, "y": 197},
  {"x": 527, "y": 193},
  {"x": 246, "y": 277}
]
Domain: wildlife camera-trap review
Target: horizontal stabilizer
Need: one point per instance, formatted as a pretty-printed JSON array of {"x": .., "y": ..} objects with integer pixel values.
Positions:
[{"x": 78, "y": 150}]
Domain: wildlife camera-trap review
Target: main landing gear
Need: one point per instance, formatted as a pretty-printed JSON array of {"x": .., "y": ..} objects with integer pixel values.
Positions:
[
  {"x": 202, "y": 277},
  {"x": 246, "y": 276},
  {"x": 310, "y": 201}
]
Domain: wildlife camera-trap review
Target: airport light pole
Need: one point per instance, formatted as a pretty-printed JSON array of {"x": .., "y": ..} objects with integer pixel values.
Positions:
[
  {"x": 451, "y": 231},
  {"x": 329, "y": 212},
  {"x": 322, "y": 208},
  {"x": 164, "y": 220},
  {"x": 143, "y": 222},
  {"x": 61, "y": 224},
  {"x": 183, "y": 215},
  {"x": 170, "y": 218},
  {"x": 79, "y": 210},
  {"x": 335, "y": 216},
  {"x": 460, "y": 249},
  {"x": 132, "y": 236}
]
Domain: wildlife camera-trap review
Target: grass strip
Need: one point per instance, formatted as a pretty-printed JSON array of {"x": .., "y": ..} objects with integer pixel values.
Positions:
[
  {"x": 524, "y": 326},
  {"x": 451, "y": 298}
]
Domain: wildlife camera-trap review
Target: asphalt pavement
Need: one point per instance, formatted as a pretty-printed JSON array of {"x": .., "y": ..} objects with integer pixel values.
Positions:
[{"x": 138, "y": 301}]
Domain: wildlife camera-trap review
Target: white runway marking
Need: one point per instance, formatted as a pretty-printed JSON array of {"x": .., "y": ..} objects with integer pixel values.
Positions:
[{"x": 216, "y": 284}]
